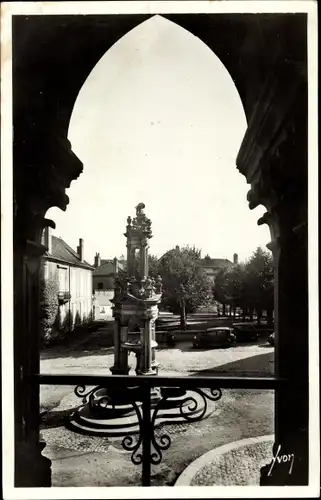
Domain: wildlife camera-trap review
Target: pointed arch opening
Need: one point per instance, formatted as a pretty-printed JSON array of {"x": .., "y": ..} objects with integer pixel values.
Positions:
[{"x": 159, "y": 118}]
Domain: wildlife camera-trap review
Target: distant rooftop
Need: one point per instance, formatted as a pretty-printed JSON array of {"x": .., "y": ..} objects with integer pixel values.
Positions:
[
  {"x": 107, "y": 267},
  {"x": 209, "y": 262}
]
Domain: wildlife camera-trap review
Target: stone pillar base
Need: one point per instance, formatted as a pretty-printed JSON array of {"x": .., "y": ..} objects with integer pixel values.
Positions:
[
  {"x": 155, "y": 366},
  {"x": 149, "y": 372},
  {"x": 115, "y": 370},
  {"x": 32, "y": 469}
]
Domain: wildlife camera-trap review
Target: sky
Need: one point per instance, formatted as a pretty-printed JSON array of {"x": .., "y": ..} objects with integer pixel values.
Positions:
[{"x": 159, "y": 121}]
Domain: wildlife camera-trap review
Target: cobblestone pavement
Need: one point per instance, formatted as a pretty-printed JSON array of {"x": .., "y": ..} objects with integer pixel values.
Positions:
[
  {"x": 79, "y": 460},
  {"x": 255, "y": 359},
  {"x": 240, "y": 467},
  {"x": 181, "y": 358}
]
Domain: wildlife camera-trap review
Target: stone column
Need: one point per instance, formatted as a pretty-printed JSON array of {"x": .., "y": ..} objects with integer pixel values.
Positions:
[
  {"x": 147, "y": 267},
  {"x": 146, "y": 355},
  {"x": 153, "y": 336},
  {"x": 120, "y": 366},
  {"x": 291, "y": 352},
  {"x": 286, "y": 203},
  {"x": 116, "y": 366},
  {"x": 274, "y": 159},
  {"x": 291, "y": 359},
  {"x": 129, "y": 261},
  {"x": 48, "y": 158},
  {"x": 32, "y": 469},
  {"x": 131, "y": 272},
  {"x": 143, "y": 259},
  {"x": 123, "y": 352}
]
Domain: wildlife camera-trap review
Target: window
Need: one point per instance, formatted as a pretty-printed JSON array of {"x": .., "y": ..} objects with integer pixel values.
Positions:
[
  {"x": 63, "y": 278},
  {"x": 100, "y": 286}
]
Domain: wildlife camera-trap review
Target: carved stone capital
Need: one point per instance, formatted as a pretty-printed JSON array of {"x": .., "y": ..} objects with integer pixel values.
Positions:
[
  {"x": 37, "y": 188},
  {"x": 267, "y": 125}
]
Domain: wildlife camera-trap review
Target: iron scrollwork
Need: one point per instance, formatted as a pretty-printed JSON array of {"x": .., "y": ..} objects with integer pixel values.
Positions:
[
  {"x": 162, "y": 442},
  {"x": 193, "y": 405},
  {"x": 101, "y": 398},
  {"x": 80, "y": 392},
  {"x": 92, "y": 396},
  {"x": 129, "y": 442},
  {"x": 189, "y": 408}
]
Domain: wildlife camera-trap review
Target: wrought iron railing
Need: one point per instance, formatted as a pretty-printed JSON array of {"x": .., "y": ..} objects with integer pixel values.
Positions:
[{"x": 146, "y": 448}]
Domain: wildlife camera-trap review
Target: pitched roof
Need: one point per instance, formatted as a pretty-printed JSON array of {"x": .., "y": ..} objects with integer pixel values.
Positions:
[
  {"x": 107, "y": 267},
  {"x": 64, "y": 253},
  {"x": 208, "y": 262},
  {"x": 106, "y": 261}
]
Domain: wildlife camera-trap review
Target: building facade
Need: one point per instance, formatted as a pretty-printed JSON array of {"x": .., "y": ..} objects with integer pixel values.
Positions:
[
  {"x": 104, "y": 273},
  {"x": 213, "y": 266},
  {"x": 73, "y": 276}
]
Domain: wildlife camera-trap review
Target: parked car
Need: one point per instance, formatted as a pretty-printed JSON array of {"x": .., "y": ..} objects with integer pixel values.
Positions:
[
  {"x": 271, "y": 338},
  {"x": 215, "y": 337},
  {"x": 245, "y": 332}
]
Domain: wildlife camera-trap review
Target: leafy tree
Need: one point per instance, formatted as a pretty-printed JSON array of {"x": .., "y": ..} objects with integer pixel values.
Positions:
[
  {"x": 185, "y": 283},
  {"x": 235, "y": 286},
  {"x": 229, "y": 287},
  {"x": 153, "y": 265},
  {"x": 249, "y": 286},
  {"x": 259, "y": 282},
  {"x": 49, "y": 307},
  {"x": 220, "y": 289},
  {"x": 68, "y": 322}
]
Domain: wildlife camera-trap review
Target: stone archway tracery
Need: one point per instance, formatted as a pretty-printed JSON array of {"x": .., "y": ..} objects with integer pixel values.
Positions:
[{"x": 45, "y": 166}]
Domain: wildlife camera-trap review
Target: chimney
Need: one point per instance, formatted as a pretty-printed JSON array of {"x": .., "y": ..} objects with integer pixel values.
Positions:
[
  {"x": 97, "y": 260},
  {"x": 80, "y": 249},
  {"x": 235, "y": 259},
  {"x": 115, "y": 266},
  {"x": 48, "y": 239}
]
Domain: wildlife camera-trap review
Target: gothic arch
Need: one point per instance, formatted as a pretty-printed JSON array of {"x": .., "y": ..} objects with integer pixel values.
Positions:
[
  {"x": 52, "y": 56},
  {"x": 42, "y": 110}
]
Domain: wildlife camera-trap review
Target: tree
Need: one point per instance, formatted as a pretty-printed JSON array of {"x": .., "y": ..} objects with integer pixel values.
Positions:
[
  {"x": 229, "y": 287},
  {"x": 235, "y": 287},
  {"x": 49, "y": 307},
  {"x": 220, "y": 289},
  {"x": 153, "y": 265},
  {"x": 249, "y": 286},
  {"x": 259, "y": 282},
  {"x": 185, "y": 283}
]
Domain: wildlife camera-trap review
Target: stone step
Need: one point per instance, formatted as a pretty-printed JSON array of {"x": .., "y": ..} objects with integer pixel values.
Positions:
[{"x": 108, "y": 423}]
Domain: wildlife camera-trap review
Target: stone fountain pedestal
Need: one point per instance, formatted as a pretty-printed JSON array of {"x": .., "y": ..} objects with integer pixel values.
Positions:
[
  {"x": 113, "y": 412},
  {"x": 102, "y": 418}
]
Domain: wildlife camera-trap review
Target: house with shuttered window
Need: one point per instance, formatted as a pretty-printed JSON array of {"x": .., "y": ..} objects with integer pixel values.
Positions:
[
  {"x": 74, "y": 277},
  {"x": 104, "y": 273}
]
